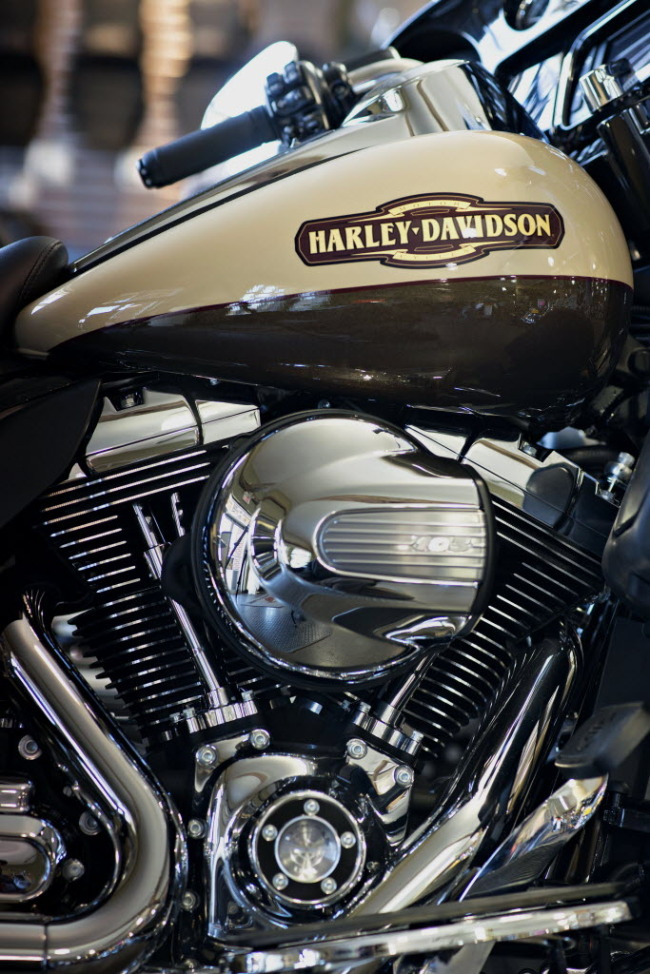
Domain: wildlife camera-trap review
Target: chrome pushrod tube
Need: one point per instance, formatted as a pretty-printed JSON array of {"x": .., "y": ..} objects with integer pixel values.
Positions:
[
  {"x": 121, "y": 931},
  {"x": 496, "y": 774}
]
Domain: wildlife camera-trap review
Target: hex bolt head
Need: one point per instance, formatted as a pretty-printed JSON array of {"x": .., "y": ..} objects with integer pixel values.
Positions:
[
  {"x": 128, "y": 400},
  {"x": 73, "y": 869},
  {"x": 269, "y": 832},
  {"x": 404, "y": 776},
  {"x": 28, "y": 748},
  {"x": 311, "y": 807},
  {"x": 189, "y": 901},
  {"x": 260, "y": 739},
  {"x": 328, "y": 885},
  {"x": 357, "y": 749},
  {"x": 348, "y": 839},
  {"x": 207, "y": 756},
  {"x": 280, "y": 881},
  {"x": 195, "y": 828},
  {"x": 89, "y": 824}
]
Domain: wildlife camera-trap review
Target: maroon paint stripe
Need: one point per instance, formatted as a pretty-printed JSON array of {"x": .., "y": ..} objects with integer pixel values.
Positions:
[{"x": 197, "y": 309}]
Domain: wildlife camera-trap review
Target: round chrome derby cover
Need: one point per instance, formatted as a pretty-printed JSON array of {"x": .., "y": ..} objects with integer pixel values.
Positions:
[{"x": 335, "y": 547}]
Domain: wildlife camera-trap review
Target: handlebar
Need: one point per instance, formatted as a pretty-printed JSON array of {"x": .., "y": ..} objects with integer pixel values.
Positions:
[
  {"x": 207, "y": 147},
  {"x": 302, "y": 102}
]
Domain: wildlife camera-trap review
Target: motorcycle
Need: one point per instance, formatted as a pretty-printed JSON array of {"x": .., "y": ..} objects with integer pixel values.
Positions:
[{"x": 324, "y": 506}]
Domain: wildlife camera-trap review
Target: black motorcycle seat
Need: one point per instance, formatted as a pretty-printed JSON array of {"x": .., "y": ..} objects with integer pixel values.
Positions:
[{"x": 28, "y": 268}]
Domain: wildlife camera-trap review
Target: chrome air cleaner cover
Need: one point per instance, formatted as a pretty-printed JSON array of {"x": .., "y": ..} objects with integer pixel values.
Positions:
[{"x": 333, "y": 547}]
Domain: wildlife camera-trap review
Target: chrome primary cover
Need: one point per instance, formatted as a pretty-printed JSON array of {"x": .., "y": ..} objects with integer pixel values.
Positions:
[{"x": 333, "y": 547}]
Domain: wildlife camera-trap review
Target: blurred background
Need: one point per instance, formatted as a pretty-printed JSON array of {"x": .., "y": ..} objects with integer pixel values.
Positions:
[{"x": 87, "y": 86}]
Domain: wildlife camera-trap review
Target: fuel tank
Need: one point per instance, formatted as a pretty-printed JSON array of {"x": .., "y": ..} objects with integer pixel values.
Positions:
[{"x": 474, "y": 270}]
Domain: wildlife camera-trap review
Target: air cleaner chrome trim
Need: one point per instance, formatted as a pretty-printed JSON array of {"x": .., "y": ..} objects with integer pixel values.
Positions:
[{"x": 332, "y": 547}]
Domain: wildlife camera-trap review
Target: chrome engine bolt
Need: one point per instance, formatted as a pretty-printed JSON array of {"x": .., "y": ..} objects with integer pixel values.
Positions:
[
  {"x": 280, "y": 881},
  {"x": 189, "y": 901},
  {"x": 89, "y": 824},
  {"x": 356, "y": 748},
  {"x": 207, "y": 756},
  {"x": 260, "y": 739},
  {"x": 404, "y": 776},
  {"x": 311, "y": 807},
  {"x": 28, "y": 748},
  {"x": 269, "y": 832},
  {"x": 328, "y": 885},
  {"x": 348, "y": 839},
  {"x": 195, "y": 828},
  {"x": 73, "y": 869}
]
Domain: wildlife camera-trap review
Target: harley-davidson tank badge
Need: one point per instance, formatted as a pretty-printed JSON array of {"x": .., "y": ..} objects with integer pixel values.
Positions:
[{"x": 431, "y": 230}]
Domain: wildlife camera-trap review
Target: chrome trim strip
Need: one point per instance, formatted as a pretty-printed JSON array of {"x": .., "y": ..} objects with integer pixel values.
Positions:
[
  {"x": 122, "y": 930},
  {"x": 223, "y": 420},
  {"x": 337, "y": 953},
  {"x": 163, "y": 423}
]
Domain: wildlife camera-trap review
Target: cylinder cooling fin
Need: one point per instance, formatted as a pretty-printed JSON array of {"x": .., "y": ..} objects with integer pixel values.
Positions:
[
  {"x": 129, "y": 628},
  {"x": 333, "y": 549},
  {"x": 539, "y": 576}
]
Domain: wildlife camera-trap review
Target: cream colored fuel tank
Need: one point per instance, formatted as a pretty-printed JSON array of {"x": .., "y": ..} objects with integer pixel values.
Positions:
[{"x": 476, "y": 270}]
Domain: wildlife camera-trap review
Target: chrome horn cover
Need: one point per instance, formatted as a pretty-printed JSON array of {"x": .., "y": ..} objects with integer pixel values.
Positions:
[{"x": 333, "y": 547}]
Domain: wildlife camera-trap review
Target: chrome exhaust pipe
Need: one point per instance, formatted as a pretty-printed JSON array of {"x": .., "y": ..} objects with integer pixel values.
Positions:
[{"x": 122, "y": 931}]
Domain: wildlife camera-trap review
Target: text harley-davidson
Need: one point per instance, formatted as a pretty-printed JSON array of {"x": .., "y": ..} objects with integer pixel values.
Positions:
[{"x": 326, "y": 527}]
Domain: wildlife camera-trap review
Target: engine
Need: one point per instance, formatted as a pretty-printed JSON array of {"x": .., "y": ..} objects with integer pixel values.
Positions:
[{"x": 293, "y": 620}]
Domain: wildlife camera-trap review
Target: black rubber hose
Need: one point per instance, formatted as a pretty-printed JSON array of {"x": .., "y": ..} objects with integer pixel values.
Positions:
[
  {"x": 592, "y": 457},
  {"x": 199, "y": 150}
]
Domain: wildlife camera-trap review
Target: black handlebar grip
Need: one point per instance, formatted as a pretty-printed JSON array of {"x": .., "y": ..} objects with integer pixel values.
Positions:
[{"x": 199, "y": 150}]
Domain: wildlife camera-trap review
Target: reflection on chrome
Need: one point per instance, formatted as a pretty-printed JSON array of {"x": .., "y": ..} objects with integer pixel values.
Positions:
[
  {"x": 334, "y": 546},
  {"x": 120, "y": 932},
  {"x": 494, "y": 775},
  {"x": 340, "y": 953},
  {"x": 30, "y": 851},
  {"x": 524, "y": 855}
]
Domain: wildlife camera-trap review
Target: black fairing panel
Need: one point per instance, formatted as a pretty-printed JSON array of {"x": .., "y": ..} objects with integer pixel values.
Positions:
[
  {"x": 39, "y": 439},
  {"x": 496, "y": 32}
]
